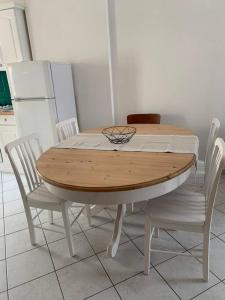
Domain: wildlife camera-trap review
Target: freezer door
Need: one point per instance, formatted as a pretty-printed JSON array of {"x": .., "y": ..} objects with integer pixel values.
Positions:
[
  {"x": 30, "y": 80},
  {"x": 37, "y": 116}
]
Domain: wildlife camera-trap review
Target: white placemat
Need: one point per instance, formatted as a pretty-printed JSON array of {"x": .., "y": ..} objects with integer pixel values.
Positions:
[{"x": 140, "y": 142}]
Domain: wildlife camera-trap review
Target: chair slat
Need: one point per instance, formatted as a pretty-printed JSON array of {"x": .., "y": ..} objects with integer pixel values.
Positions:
[{"x": 67, "y": 128}]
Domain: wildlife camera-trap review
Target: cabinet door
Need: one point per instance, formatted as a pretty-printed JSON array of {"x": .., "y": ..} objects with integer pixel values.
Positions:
[{"x": 8, "y": 52}]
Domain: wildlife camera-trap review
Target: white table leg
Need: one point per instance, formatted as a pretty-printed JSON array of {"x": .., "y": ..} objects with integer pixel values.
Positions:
[{"x": 114, "y": 244}]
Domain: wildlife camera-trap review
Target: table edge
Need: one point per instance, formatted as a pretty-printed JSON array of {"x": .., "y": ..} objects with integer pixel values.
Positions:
[{"x": 119, "y": 188}]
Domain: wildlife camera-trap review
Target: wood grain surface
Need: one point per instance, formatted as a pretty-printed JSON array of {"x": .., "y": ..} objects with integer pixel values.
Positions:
[{"x": 102, "y": 171}]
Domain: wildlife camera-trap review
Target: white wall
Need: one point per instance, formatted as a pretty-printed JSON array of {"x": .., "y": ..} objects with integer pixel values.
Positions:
[
  {"x": 171, "y": 60},
  {"x": 171, "y": 57},
  {"x": 75, "y": 31}
]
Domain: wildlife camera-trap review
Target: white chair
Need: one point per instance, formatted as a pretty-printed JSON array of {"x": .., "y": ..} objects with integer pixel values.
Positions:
[
  {"x": 65, "y": 130},
  {"x": 23, "y": 154},
  {"x": 197, "y": 180},
  {"x": 188, "y": 212}
]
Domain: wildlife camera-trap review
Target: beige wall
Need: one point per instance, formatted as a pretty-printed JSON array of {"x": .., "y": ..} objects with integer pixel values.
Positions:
[{"x": 75, "y": 31}]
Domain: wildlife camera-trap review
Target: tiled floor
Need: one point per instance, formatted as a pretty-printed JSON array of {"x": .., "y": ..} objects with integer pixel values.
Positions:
[{"x": 48, "y": 272}]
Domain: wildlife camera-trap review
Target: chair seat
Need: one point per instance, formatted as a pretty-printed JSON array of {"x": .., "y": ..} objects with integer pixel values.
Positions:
[
  {"x": 42, "y": 198},
  {"x": 178, "y": 207}
]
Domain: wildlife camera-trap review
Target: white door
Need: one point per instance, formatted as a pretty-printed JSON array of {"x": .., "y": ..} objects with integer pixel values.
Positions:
[
  {"x": 37, "y": 116},
  {"x": 31, "y": 80}
]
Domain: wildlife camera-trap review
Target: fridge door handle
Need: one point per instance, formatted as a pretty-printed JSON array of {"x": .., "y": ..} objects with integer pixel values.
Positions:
[{"x": 32, "y": 99}]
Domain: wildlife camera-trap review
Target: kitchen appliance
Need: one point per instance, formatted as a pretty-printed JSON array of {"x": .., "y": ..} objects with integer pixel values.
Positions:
[
  {"x": 5, "y": 98},
  {"x": 42, "y": 95}
]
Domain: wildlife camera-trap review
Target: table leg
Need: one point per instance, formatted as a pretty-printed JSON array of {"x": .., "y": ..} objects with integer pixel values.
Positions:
[{"x": 114, "y": 244}]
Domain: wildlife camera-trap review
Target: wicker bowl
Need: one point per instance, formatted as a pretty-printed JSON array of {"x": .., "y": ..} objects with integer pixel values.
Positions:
[{"x": 119, "y": 134}]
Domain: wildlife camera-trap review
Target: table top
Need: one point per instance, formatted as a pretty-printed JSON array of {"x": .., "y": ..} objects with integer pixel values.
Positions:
[{"x": 111, "y": 171}]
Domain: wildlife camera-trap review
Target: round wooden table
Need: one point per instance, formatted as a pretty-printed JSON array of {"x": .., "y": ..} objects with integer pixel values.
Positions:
[{"x": 115, "y": 177}]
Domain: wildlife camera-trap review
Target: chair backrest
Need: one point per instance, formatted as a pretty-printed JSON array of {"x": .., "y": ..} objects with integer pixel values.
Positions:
[
  {"x": 216, "y": 165},
  {"x": 23, "y": 154},
  {"x": 213, "y": 135},
  {"x": 67, "y": 128},
  {"x": 143, "y": 119}
]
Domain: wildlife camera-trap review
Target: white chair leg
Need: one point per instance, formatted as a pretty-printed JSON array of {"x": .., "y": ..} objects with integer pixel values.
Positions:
[
  {"x": 206, "y": 243},
  {"x": 88, "y": 212},
  {"x": 50, "y": 216},
  {"x": 147, "y": 250},
  {"x": 66, "y": 221},
  {"x": 30, "y": 226}
]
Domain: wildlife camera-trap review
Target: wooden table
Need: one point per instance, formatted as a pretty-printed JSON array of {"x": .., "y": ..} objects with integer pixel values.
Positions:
[{"x": 114, "y": 177}]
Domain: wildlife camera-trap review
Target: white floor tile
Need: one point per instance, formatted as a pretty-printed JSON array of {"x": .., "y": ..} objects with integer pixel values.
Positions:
[
  {"x": 145, "y": 288},
  {"x": 109, "y": 294},
  {"x": 187, "y": 239},
  {"x": 8, "y": 177},
  {"x": 13, "y": 207},
  {"x": 11, "y": 195},
  {"x": 56, "y": 231},
  {"x": 100, "y": 219},
  {"x": 83, "y": 279},
  {"x": 29, "y": 265},
  {"x": 1, "y": 227},
  {"x": 133, "y": 225},
  {"x": 10, "y": 185},
  {"x": 215, "y": 293},
  {"x": 60, "y": 252},
  {"x": 44, "y": 216},
  {"x": 1, "y": 210},
  {"x": 218, "y": 222},
  {"x": 163, "y": 242},
  {"x": 184, "y": 275},
  {"x": 100, "y": 237},
  {"x": 221, "y": 207},
  {"x": 3, "y": 285},
  {"x": 3, "y": 296},
  {"x": 44, "y": 288},
  {"x": 220, "y": 196},
  {"x": 2, "y": 248},
  {"x": 17, "y": 222},
  {"x": 217, "y": 261},
  {"x": 128, "y": 262},
  {"x": 19, "y": 242}
]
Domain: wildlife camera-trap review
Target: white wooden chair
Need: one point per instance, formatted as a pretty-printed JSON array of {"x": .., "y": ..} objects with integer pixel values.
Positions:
[
  {"x": 23, "y": 154},
  {"x": 188, "y": 212},
  {"x": 197, "y": 180},
  {"x": 65, "y": 130}
]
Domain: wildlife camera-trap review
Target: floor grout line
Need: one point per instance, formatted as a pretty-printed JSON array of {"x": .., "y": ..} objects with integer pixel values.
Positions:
[
  {"x": 51, "y": 259},
  {"x": 158, "y": 272},
  {"x": 6, "y": 269},
  {"x": 206, "y": 290},
  {"x": 100, "y": 261},
  {"x": 97, "y": 253}
]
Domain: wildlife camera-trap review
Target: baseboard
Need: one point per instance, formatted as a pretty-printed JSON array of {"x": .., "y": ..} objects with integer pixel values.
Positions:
[{"x": 200, "y": 166}]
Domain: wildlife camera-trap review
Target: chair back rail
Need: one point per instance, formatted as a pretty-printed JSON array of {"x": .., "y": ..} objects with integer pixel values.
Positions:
[
  {"x": 143, "y": 119},
  {"x": 23, "y": 154},
  {"x": 67, "y": 128},
  {"x": 217, "y": 163},
  {"x": 213, "y": 134}
]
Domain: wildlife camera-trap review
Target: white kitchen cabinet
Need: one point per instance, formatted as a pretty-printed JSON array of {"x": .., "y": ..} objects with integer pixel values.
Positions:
[
  {"x": 14, "y": 41},
  {"x": 7, "y": 134}
]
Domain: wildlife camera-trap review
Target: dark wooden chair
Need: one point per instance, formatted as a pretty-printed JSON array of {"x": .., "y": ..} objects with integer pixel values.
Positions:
[{"x": 143, "y": 119}]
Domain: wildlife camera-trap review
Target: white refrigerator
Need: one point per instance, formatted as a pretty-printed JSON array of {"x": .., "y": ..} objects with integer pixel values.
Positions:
[{"x": 42, "y": 95}]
